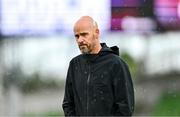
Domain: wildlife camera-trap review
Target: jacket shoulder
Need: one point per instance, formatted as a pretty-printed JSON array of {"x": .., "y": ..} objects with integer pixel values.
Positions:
[
  {"x": 115, "y": 57},
  {"x": 118, "y": 60},
  {"x": 76, "y": 58}
]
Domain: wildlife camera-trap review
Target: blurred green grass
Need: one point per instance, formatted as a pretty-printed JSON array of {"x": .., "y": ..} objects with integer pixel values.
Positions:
[
  {"x": 168, "y": 105},
  {"x": 44, "y": 114}
]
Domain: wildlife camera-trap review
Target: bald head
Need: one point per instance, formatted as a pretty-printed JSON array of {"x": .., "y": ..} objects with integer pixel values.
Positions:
[{"x": 86, "y": 20}]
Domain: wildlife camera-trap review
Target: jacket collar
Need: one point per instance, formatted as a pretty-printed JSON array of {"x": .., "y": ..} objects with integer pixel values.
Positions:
[{"x": 104, "y": 50}]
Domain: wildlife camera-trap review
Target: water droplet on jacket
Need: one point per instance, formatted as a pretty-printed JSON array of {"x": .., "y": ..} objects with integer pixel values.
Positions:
[
  {"x": 102, "y": 98},
  {"x": 101, "y": 92},
  {"x": 126, "y": 84},
  {"x": 105, "y": 72},
  {"x": 94, "y": 95}
]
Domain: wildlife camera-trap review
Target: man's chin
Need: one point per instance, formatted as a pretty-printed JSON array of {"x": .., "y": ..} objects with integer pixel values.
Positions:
[{"x": 84, "y": 51}]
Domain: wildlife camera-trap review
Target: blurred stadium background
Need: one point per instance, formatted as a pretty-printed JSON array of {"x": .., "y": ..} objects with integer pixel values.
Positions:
[{"x": 37, "y": 43}]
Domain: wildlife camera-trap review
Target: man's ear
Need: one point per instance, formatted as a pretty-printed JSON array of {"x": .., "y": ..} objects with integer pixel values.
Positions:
[{"x": 97, "y": 31}]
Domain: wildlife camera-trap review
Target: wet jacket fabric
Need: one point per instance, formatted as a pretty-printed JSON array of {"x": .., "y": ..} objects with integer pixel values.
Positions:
[{"x": 99, "y": 85}]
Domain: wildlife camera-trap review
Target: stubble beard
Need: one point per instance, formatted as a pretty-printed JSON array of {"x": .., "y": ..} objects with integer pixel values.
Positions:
[
  {"x": 84, "y": 49},
  {"x": 87, "y": 48}
]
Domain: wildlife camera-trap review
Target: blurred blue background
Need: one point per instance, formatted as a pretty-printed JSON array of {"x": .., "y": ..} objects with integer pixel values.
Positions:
[{"x": 37, "y": 43}]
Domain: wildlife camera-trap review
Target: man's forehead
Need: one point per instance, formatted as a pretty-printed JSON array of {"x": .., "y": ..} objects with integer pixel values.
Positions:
[
  {"x": 82, "y": 28},
  {"x": 82, "y": 25}
]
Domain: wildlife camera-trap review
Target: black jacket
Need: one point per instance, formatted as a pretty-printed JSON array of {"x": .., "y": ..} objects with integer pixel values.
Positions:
[{"x": 98, "y": 85}]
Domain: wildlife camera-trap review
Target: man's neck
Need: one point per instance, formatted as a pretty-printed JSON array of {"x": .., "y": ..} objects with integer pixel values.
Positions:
[{"x": 97, "y": 49}]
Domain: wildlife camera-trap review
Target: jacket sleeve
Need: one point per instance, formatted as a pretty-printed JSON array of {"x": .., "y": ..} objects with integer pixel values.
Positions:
[
  {"x": 123, "y": 90},
  {"x": 68, "y": 102}
]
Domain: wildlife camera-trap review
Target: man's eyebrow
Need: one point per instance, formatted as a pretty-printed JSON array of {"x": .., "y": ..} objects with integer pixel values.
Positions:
[{"x": 83, "y": 33}]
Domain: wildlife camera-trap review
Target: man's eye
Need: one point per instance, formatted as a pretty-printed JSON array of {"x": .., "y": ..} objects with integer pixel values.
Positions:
[{"x": 77, "y": 36}]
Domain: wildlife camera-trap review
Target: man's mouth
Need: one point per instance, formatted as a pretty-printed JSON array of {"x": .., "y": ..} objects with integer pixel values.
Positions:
[{"x": 82, "y": 45}]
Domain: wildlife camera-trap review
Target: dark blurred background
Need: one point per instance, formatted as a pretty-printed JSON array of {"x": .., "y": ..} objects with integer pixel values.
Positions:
[{"x": 37, "y": 43}]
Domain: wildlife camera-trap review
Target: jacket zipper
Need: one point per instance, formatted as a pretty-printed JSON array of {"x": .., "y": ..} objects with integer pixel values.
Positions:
[{"x": 88, "y": 80}]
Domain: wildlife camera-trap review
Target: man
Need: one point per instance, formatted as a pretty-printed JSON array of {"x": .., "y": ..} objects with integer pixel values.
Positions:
[{"x": 98, "y": 82}]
